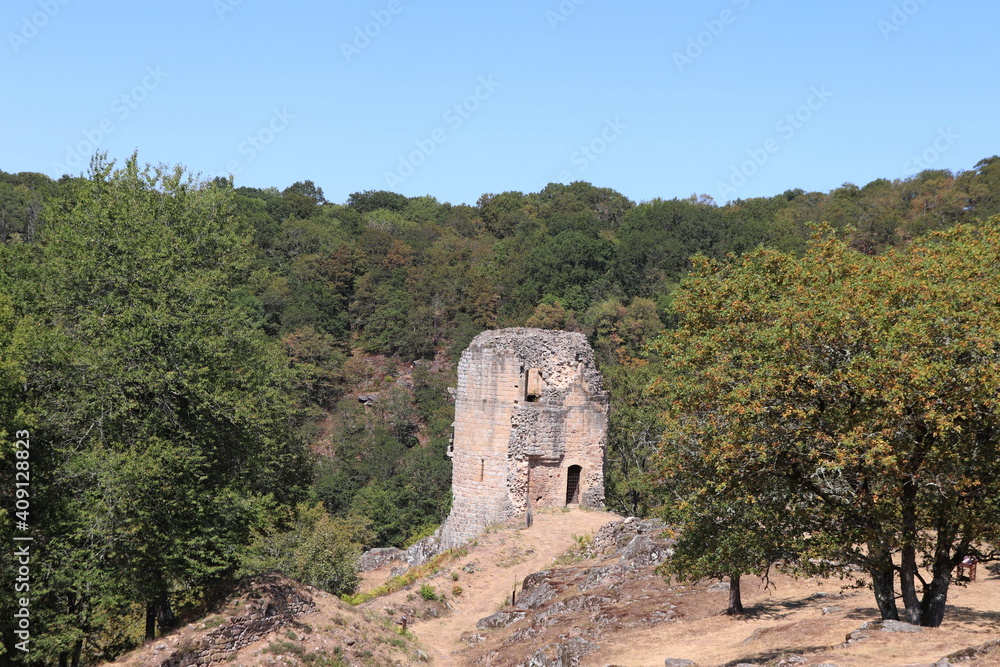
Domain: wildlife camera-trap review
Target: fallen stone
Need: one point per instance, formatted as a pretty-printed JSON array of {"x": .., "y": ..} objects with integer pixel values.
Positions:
[
  {"x": 536, "y": 579},
  {"x": 790, "y": 661},
  {"x": 501, "y": 619},
  {"x": 368, "y": 399},
  {"x": 969, "y": 653},
  {"x": 567, "y": 654},
  {"x": 598, "y": 576},
  {"x": 856, "y": 636},
  {"x": 523, "y": 634},
  {"x": 718, "y": 587},
  {"x": 421, "y": 552},
  {"x": 677, "y": 662},
  {"x": 890, "y": 626}
]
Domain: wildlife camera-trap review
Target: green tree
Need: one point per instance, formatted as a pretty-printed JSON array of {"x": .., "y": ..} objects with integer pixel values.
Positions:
[
  {"x": 161, "y": 412},
  {"x": 304, "y": 199},
  {"x": 634, "y": 432},
  {"x": 317, "y": 549},
  {"x": 982, "y": 184},
  {"x": 657, "y": 238},
  {"x": 865, "y": 386},
  {"x": 503, "y": 214},
  {"x": 374, "y": 200}
]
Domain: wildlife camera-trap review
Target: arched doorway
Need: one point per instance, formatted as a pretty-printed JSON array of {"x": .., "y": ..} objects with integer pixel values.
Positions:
[{"x": 573, "y": 485}]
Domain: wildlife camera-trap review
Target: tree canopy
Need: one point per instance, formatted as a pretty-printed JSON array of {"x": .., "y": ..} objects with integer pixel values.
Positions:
[
  {"x": 173, "y": 345},
  {"x": 854, "y": 395}
]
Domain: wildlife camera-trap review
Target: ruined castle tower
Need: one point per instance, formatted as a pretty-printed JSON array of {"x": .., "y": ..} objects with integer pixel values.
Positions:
[{"x": 531, "y": 419}]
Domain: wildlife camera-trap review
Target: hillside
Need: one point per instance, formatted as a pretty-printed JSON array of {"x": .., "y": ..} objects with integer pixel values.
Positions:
[
  {"x": 173, "y": 346},
  {"x": 587, "y": 595}
]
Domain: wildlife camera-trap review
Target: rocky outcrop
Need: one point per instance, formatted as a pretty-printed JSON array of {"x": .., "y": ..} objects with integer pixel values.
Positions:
[
  {"x": 566, "y": 654},
  {"x": 619, "y": 592},
  {"x": 417, "y": 554}
]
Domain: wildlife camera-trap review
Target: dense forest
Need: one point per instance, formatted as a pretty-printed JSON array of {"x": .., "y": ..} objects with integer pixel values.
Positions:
[{"x": 211, "y": 381}]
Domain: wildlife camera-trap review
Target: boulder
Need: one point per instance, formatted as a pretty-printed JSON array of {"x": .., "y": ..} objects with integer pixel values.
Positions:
[{"x": 501, "y": 619}]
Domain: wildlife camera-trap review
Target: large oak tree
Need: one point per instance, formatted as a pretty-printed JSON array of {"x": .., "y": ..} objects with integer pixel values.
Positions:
[{"x": 855, "y": 396}]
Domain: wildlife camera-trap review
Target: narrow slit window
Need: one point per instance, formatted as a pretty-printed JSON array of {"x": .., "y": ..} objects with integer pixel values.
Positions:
[{"x": 533, "y": 384}]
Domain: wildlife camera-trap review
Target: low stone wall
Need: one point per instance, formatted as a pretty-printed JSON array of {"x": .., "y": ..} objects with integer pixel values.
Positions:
[{"x": 264, "y": 604}]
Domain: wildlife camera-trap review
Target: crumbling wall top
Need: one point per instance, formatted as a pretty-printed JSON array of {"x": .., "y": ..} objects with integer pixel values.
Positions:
[{"x": 561, "y": 357}]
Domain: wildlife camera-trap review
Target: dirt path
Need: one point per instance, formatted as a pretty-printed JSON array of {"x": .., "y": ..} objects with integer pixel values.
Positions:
[{"x": 500, "y": 559}]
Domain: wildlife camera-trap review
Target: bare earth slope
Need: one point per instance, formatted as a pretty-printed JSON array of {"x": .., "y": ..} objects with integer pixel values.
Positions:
[
  {"x": 612, "y": 609},
  {"x": 599, "y": 604},
  {"x": 488, "y": 574}
]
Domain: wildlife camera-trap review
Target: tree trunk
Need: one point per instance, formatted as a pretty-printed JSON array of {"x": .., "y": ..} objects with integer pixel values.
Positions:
[
  {"x": 158, "y": 614},
  {"x": 935, "y": 599},
  {"x": 150, "y": 621},
  {"x": 908, "y": 562},
  {"x": 936, "y": 592},
  {"x": 735, "y": 600},
  {"x": 77, "y": 652},
  {"x": 885, "y": 593},
  {"x": 164, "y": 614}
]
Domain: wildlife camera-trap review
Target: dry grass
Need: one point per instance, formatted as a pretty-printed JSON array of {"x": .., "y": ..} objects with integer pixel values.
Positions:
[{"x": 806, "y": 617}]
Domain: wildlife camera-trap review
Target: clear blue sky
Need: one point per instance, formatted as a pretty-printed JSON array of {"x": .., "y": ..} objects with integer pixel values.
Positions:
[{"x": 777, "y": 95}]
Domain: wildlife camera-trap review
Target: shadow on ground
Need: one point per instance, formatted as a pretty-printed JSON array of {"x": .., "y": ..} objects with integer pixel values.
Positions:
[{"x": 764, "y": 657}]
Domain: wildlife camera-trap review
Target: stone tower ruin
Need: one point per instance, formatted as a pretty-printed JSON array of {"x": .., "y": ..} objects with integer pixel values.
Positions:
[{"x": 531, "y": 420}]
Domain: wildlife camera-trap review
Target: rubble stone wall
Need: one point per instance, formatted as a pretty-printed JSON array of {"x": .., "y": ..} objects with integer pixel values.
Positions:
[
  {"x": 530, "y": 403},
  {"x": 271, "y": 602}
]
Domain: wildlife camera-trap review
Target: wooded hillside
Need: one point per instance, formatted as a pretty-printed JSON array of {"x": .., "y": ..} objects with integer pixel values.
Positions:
[{"x": 187, "y": 359}]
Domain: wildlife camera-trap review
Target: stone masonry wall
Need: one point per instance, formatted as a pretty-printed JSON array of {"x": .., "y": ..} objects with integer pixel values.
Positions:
[
  {"x": 270, "y": 602},
  {"x": 530, "y": 403}
]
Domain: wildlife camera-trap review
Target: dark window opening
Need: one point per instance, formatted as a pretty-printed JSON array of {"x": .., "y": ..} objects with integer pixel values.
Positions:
[
  {"x": 482, "y": 468},
  {"x": 533, "y": 384},
  {"x": 573, "y": 485}
]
